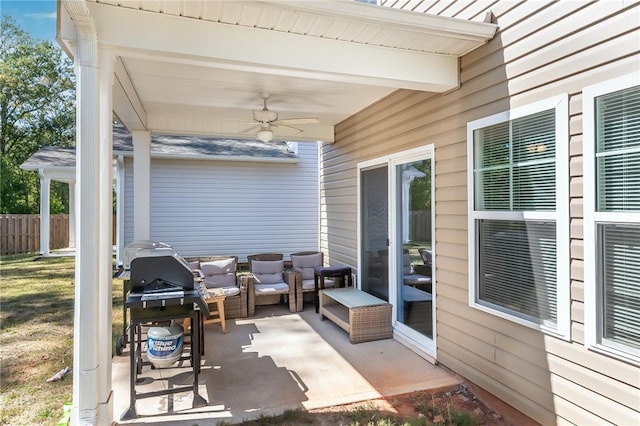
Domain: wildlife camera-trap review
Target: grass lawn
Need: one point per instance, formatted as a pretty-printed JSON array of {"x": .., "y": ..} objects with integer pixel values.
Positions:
[{"x": 36, "y": 337}]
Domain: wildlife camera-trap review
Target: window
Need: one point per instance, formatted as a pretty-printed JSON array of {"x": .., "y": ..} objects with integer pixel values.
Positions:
[
  {"x": 611, "y": 117},
  {"x": 518, "y": 215}
]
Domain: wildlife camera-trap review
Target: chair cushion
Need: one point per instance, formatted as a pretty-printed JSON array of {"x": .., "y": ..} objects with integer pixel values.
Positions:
[
  {"x": 306, "y": 264},
  {"x": 427, "y": 256},
  {"x": 219, "y": 273},
  {"x": 194, "y": 265},
  {"x": 226, "y": 291},
  {"x": 218, "y": 267},
  {"x": 415, "y": 279},
  {"x": 267, "y": 271},
  {"x": 273, "y": 288},
  {"x": 311, "y": 285},
  {"x": 230, "y": 291},
  {"x": 218, "y": 281}
]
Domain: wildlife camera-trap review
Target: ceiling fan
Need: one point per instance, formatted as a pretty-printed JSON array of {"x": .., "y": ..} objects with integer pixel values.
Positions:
[{"x": 267, "y": 121}]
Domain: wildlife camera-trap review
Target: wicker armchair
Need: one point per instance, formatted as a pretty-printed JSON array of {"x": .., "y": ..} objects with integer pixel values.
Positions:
[
  {"x": 268, "y": 283},
  {"x": 409, "y": 275},
  {"x": 304, "y": 264},
  {"x": 412, "y": 278},
  {"x": 220, "y": 272},
  {"x": 427, "y": 258}
]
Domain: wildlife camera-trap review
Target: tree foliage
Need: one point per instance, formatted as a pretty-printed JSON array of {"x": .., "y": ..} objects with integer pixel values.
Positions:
[
  {"x": 421, "y": 187},
  {"x": 37, "y": 96}
]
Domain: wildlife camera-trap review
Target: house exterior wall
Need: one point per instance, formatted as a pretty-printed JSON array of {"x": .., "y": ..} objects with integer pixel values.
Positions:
[
  {"x": 233, "y": 207},
  {"x": 543, "y": 49}
]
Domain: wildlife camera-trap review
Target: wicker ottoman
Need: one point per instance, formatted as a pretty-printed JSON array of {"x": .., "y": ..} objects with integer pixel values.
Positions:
[{"x": 363, "y": 316}]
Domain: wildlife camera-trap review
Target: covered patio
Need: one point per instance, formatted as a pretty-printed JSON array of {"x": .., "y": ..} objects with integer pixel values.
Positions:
[
  {"x": 201, "y": 67},
  {"x": 273, "y": 362}
]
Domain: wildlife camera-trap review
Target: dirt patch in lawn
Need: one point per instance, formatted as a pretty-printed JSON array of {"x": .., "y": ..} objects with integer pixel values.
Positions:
[{"x": 459, "y": 406}]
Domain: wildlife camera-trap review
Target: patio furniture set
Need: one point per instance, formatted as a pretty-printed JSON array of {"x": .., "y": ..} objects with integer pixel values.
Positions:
[{"x": 269, "y": 281}]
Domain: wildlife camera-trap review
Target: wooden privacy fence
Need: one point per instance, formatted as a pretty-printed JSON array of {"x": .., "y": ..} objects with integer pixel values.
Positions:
[
  {"x": 420, "y": 225},
  {"x": 20, "y": 233}
]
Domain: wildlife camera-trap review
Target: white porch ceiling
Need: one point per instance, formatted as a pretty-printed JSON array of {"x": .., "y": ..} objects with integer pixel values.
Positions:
[{"x": 199, "y": 66}]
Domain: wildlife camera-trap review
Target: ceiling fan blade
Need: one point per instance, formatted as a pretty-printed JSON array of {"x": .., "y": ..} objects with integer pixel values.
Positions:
[
  {"x": 288, "y": 130},
  {"x": 307, "y": 120},
  {"x": 251, "y": 129}
]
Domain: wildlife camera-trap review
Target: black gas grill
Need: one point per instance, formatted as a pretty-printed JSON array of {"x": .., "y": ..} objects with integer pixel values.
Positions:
[
  {"x": 160, "y": 274},
  {"x": 162, "y": 288}
]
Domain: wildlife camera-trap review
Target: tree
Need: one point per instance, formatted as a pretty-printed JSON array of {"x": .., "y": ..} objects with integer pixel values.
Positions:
[
  {"x": 37, "y": 96},
  {"x": 421, "y": 187}
]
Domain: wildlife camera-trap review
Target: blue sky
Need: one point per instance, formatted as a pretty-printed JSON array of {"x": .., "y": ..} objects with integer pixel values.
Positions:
[{"x": 37, "y": 17}]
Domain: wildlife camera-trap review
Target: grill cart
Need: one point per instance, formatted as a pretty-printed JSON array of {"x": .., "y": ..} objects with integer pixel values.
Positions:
[{"x": 162, "y": 290}]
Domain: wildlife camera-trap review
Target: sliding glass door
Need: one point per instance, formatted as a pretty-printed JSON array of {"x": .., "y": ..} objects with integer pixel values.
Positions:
[
  {"x": 396, "y": 241},
  {"x": 413, "y": 250},
  {"x": 374, "y": 235}
]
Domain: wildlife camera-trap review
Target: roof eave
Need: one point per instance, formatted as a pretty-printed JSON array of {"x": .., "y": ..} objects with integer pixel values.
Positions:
[
  {"x": 424, "y": 23},
  {"x": 243, "y": 158}
]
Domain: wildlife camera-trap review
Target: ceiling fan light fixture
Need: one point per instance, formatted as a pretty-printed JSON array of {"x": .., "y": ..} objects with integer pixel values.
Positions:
[
  {"x": 265, "y": 135},
  {"x": 265, "y": 120}
]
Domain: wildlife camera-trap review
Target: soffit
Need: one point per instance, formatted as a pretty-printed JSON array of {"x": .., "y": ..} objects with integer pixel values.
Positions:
[
  {"x": 344, "y": 20},
  {"x": 191, "y": 66}
]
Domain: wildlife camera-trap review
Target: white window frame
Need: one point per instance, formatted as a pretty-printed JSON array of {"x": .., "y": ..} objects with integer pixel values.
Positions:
[
  {"x": 561, "y": 215},
  {"x": 592, "y": 303}
]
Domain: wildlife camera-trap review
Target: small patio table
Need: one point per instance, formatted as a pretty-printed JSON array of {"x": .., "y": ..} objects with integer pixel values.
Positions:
[
  {"x": 216, "y": 315},
  {"x": 215, "y": 296},
  {"x": 362, "y": 315}
]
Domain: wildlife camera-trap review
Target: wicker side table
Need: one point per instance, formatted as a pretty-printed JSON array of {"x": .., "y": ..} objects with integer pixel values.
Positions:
[{"x": 363, "y": 316}]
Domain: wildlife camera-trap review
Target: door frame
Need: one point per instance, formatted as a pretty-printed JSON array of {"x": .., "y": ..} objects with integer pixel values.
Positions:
[{"x": 413, "y": 340}]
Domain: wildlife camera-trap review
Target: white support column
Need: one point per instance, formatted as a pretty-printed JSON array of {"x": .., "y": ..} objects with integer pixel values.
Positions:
[
  {"x": 141, "y": 185},
  {"x": 86, "y": 337},
  {"x": 105, "y": 246},
  {"x": 120, "y": 210},
  {"x": 407, "y": 177},
  {"x": 45, "y": 186},
  {"x": 72, "y": 214}
]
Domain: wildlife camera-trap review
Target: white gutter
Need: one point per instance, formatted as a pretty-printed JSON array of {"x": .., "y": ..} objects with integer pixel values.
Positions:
[{"x": 400, "y": 19}]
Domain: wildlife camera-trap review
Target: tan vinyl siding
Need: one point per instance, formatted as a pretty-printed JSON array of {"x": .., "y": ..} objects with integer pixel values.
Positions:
[{"x": 542, "y": 49}]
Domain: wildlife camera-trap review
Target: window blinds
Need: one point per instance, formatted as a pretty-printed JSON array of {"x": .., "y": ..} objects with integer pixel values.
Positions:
[
  {"x": 515, "y": 164},
  {"x": 618, "y": 150},
  {"x": 517, "y": 267},
  {"x": 618, "y": 190},
  {"x": 621, "y": 276}
]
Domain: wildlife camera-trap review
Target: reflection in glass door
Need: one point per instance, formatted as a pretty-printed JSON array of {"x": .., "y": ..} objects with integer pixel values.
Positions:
[
  {"x": 396, "y": 241},
  {"x": 412, "y": 251},
  {"x": 374, "y": 225}
]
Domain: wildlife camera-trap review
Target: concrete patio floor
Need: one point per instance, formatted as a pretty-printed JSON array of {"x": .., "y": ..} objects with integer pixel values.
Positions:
[{"x": 272, "y": 362}]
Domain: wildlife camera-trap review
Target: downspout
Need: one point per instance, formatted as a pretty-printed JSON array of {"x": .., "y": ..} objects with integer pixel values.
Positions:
[{"x": 106, "y": 59}]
